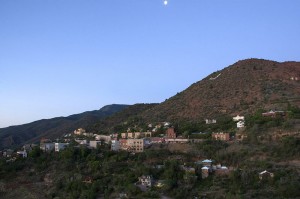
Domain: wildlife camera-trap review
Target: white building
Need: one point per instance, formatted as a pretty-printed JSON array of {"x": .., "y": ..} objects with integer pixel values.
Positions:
[
  {"x": 60, "y": 146},
  {"x": 240, "y": 124},
  {"x": 115, "y": 145},
  {"x": 23, "y": 154},
  {"x": 238, "y": 118},
  {"x": 82, "y": 142},
  {"x": 212, "y": 121}
]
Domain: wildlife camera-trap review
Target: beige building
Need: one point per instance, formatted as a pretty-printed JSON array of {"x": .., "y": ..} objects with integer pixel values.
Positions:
[
  {"x": 135, "y": 145},
  {"x": 221, "y": 136}
]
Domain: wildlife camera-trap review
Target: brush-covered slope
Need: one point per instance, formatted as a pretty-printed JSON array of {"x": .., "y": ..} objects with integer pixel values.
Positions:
[
  {"x": 119, "y": 122},
  {"x": 241, "y": 88},
  {"x": 53, "y": 128}
]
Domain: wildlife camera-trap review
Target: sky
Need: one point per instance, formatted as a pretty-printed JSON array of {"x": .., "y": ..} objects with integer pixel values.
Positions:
[{"x": 61, "y": 57}]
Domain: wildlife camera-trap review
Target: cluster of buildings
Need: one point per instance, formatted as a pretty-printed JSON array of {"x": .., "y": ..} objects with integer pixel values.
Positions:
[
  {"x": 11, "y": 155},
  {"x": 240, "y": 121},
  {"x": 208, "y": 168}
]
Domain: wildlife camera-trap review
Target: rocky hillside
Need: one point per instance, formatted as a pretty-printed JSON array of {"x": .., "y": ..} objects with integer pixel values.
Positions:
[
  {"x": 241, "y": 88},
  {"x": 53, "y": 128}
]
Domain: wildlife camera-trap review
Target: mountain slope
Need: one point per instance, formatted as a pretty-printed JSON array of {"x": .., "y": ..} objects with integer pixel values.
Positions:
[
  {"x": 240, "y": 88},
  {"x": 53, "y": 128}
]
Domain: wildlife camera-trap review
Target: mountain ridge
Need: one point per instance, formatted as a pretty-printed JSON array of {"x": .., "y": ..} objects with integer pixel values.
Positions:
[{"x": 54, "y": 127}]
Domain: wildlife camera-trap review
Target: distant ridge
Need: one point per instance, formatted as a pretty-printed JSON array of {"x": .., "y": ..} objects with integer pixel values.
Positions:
[{"x": 53, "y": 128}]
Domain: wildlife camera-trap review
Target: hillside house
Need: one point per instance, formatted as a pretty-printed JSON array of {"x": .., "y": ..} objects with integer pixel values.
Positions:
[
  {"x": 265, "y": 175},
  {"x": 146, "y": 181},
  {"x": 240, "y": 124},
  {"x": 221, "y": 136},
  {"x": 8, "y": 153},
  {"x": 207, "y": 163},
  {"x": 204, "y": 172},
  {"x": 273, "y": 114},
  {"x": 22, "y": 154},
  {"x": 210, "y": 121},
  {"x": 170, "y": 133},
  {"x": 238, "y": 118},
  {"x": 79, "y": 131},
  {"x": 104, "y": 138}
]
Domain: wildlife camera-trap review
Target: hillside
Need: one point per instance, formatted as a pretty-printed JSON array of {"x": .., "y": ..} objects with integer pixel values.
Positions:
[
  {"x": 241, "y": 88},
  {"x": 53, "y": 128}
]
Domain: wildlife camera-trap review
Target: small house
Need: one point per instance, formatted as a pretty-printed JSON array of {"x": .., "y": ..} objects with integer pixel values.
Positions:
[
  {"x": 265, "y": 175},
  {"x": 146, "y": 180}
]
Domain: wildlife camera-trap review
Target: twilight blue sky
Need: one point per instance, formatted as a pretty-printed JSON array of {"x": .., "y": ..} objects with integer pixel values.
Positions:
[{"x": 60, "y": 57}]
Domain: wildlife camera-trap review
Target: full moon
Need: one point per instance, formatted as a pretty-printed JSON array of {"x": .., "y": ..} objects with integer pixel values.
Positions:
[{"x": 165, "y": 2}]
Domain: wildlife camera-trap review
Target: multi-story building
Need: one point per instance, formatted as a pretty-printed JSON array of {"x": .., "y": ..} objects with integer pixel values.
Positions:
[
  {"x": 115, "y": 145},
  {"x": 221, "y": 136},
  {"x": 135, "y": 145}
]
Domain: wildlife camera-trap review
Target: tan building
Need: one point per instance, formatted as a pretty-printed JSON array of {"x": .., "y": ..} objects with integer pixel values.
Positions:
[
  {"x": 221, "y": 136},
  {"x": 135, "y": 145}
]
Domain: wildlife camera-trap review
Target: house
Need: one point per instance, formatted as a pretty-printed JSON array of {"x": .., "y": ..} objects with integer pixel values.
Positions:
[
  {"x": 95, "y": 143},
  {"x": 210, "y": 121},
  {"x": 8, "y": 153},
  {"x": 146, "y": 180},
  {"x": 81, "y": 141},
  {"x": 238, "y": 118},
  {"x": 272, "y": 113},
  {"x": 105, "y": 138},
  {"x": 115, "y": 145},
  {"x": 221, "y": 170},
  {"x": 170, "y": 133},
  {"x": 47, "y": 147},
  {"x": 22, "y": 154},
  {"x": 204, "y": 172},
  {"x": 240, "y": 124},
  {"x": 207, "y": 163},
  {"x": 79, "y": 131},
  {"x": 265, "y": 175},
  {"x": 135, "y": 145},
  {"x": 221, "y": 136}
]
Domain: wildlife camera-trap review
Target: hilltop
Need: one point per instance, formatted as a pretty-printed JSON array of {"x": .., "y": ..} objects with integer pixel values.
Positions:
[{"x": 241, "y": 88}]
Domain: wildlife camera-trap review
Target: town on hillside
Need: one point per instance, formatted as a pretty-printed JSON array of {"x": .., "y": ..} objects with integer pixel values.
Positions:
[{"x": 192, "y": 167}]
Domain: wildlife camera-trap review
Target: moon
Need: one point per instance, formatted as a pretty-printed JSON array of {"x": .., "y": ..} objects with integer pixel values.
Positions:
[{"x": 165, "y": 2}]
